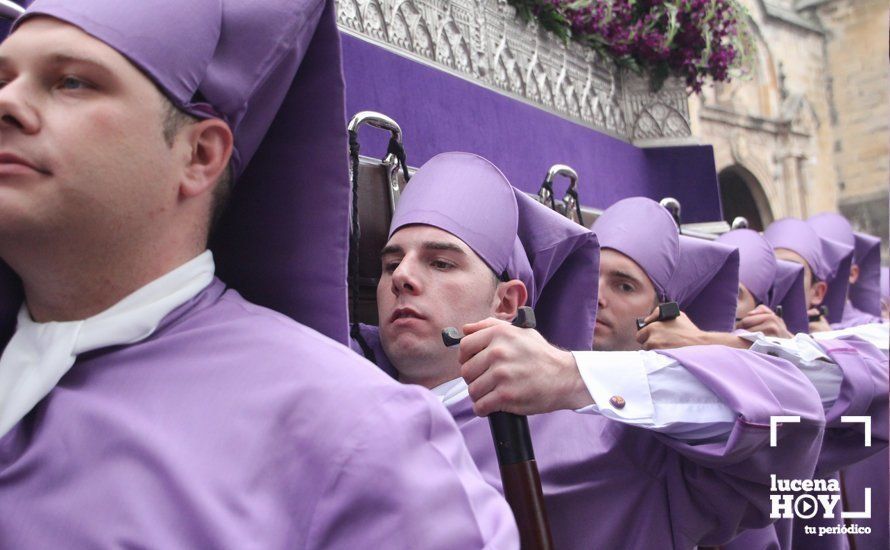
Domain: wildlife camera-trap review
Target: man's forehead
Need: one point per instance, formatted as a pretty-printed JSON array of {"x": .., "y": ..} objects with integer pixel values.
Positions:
[
  {"x": 613, "y": 260},
  {"x": 46, "y": 38},
  {"x": 418, "y": 234},
  {"x": 792, "y": 256}
]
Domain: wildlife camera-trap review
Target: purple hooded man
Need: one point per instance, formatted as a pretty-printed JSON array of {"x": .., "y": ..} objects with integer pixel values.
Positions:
[
  {"x": 765, "y": 284},
  {"x": 864, "y": 295},
  {"x": 717, "y": 288},
  {"x": 142, "y": 403},
  {"x": 826, "y": 267},
  {"x": 620, "y": 466}
]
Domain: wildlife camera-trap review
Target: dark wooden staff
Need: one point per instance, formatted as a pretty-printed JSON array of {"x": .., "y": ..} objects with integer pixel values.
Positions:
[{"x": 516, "y": 460}]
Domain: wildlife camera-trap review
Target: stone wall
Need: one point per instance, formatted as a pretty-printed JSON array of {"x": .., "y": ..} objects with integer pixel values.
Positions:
[
  {"x": 485, "y": 42},
  {"x": 773, "y": 125},
  {"x": 809, "y": 129},
  {"x": 857, "y": 59}
]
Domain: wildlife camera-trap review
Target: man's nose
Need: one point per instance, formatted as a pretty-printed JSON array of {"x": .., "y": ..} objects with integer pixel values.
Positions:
[
  {"x": 16, "y": 111},
  {"x": 404, "y": 278},
  {"x": 601, "y": 296}
]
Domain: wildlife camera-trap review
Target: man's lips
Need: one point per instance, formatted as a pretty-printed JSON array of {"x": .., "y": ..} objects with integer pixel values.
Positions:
[
  {"x": 12, "y": 161},
  {"x": 405, "y": 313}
]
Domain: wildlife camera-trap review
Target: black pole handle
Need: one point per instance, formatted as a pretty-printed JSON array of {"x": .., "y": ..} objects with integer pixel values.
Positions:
[
  {"x": 666, "y": 312},
  {"x": 516, "y": 460},
  {"x": 823, "y": 312}
]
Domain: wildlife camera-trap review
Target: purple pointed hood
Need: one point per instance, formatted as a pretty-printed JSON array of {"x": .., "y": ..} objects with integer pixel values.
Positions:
[
  {"x": 865, "y": 294},
  {"x": 773, "y": 282},
  {"x": 829, "y": 260},
  {"x": 645, "y": 232},
  {"x": 706, "y": 283},
  {"x": 556, "y": 259},
  {"x": 788, "y": 291},
  {"x": 212, "y": 58},
  {"x": 757, "y": 261},
  {"x": 830, "y": 225}
]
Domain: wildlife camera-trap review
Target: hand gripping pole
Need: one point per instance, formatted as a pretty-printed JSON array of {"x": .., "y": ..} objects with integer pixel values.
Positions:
[{"x": 516, "y": 460}]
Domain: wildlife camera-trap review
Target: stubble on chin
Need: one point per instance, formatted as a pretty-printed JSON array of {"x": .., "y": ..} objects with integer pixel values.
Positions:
[{"x": 419, "y": 360}]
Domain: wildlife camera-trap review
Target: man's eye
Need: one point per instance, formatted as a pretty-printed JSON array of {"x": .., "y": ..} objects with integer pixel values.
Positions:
[
  {"x": 389, "y": 267},
  {"x": 440, "y": 264},
  {"x": 73, "y": 83},
  {"x": 625, "y": 287}
]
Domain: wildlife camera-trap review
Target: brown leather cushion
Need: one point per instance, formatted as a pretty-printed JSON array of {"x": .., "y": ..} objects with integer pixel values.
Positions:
[{"x": 374, "y": 214}]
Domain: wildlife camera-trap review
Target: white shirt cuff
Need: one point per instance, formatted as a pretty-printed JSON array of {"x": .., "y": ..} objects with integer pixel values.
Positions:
[{"x": 618, "y": 384}]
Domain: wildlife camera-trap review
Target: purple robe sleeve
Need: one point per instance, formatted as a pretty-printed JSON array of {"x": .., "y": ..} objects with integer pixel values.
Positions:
[
  {"x": 854, "y": 317},
  {"x": 864, "y": 392},
  {"x": 725, "y": 486},
  {"x": 428, "y": 498}
]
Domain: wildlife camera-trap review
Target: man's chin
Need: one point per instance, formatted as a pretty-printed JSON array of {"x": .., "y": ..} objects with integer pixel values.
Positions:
[
  {"x": 409, "y": 342},
  {"x": 611, "y": 344},
  {"x": 408, "y": 332}
]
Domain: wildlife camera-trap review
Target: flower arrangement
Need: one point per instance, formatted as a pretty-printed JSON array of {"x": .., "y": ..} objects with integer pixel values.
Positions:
[{"x": 693, "y": 39}]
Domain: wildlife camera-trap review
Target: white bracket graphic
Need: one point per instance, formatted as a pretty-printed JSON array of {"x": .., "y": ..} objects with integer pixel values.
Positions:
[
  {"x": 860, "y": 420},
  {"x": 775, "y": 421}
]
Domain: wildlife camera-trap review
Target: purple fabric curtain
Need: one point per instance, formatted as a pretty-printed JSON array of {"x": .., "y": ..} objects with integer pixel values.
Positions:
[{"x": 439, "y": 112}]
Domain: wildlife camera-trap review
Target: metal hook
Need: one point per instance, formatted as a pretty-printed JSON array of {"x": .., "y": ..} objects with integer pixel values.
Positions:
[
  {"x": 382, "y": 122},
  {"x": 570, "y": 200},
  {"x": 740, "y": 222},
  {"x": 672, "y": 205}
]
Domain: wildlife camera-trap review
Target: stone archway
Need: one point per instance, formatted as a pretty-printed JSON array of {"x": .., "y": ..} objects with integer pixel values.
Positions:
[{"x": 742, "y": 195}]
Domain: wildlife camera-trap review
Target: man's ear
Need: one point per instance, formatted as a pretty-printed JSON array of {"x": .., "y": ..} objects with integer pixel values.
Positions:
[
  {"x": 854, "y": 274},
  {"x": 509, "y": 297},
  {"x": 817, "y": 293},
  {"x": 209, "y": 143}
]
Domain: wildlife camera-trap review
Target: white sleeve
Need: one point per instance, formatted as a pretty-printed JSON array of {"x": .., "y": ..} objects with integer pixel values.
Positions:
[
  {"x": 876, "y": 334},
  {"x": 804, "y": 353},
  {"x": 652, "y": 391}
]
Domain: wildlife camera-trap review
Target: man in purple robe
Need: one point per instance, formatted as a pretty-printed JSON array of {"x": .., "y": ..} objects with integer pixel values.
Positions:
[
  {"x": 826, "y": 268},
  {"x": 767, "y": 285},
  {"x": 863, "y": 299},
  {"x": 142, "y": 403},
  {"x": 636, "y": 449}
]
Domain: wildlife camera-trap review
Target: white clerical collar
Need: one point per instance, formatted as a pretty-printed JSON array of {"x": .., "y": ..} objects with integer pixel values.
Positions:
[
  {"x": 452, "y": 391},
  {"x": 39, "y": 354}
]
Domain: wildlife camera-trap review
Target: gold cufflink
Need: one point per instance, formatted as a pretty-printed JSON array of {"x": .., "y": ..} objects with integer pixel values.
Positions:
[{"x": 617, "y": 401}]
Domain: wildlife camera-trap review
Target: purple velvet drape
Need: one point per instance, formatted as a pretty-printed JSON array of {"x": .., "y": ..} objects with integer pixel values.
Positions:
[{"x": 440, "y": 112}]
